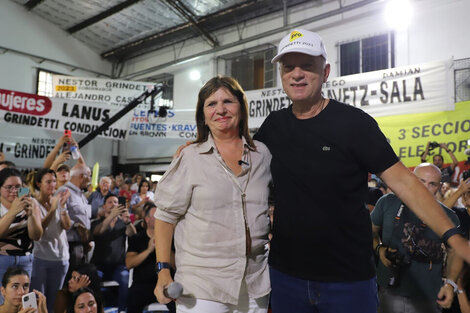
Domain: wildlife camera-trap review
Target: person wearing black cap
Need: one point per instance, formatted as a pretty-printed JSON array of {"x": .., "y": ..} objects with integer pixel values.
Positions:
[{"x": 321, "y": 257}]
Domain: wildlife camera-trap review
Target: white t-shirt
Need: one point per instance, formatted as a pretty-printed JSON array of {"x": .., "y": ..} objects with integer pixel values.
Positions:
[{"x": 53, "y": 245}]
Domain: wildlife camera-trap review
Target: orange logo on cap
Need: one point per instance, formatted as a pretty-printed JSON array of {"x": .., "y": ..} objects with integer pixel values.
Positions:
[{"x": 294, "y": 35}]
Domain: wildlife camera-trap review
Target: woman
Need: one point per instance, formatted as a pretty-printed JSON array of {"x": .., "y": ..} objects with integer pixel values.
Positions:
[
  {"x": 84, "y": 301},
  {"x": 15, "y": 284},
  {"x": 20, "y": 223},
  {"x": 84, "y": 275},
  {"x": 138, "y": 199},
  {"x": 216, "y": 194},
  {"x": 51, "y": 252}
]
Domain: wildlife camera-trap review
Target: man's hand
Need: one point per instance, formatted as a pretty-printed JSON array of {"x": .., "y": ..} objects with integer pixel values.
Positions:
[
  {"x": 445, "y": 296},
  {"x": 382, "y": 256},
  {"x": 82, "y": 232},
  {"x": 180, "y": 148},
  {"x": 151, "y": 245}
]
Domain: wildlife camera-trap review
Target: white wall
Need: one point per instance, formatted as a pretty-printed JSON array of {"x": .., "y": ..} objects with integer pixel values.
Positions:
[{"x": 23, "y": 31}]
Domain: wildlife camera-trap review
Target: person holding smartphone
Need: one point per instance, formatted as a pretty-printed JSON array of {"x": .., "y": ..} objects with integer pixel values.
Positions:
[
  {"x": 138, "y": 199},
  {"x": 18, "y": 299},
  {"x": 51, "y": 252},
  {"x": 110, "y": 233},
  {"x": 20, "y": 223}
]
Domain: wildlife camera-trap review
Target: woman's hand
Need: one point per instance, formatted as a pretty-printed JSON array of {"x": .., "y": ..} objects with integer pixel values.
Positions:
[
  {"x": 28, "y": 310},
  {"x": 64, "y": 196},
  {"x": 81, "y": 282},
  {"x": 20, "y": 204},
  {"x": 61, "y": 199},
  {"x": 42, "y": 304},
  {"x": 164, "y": 280}
]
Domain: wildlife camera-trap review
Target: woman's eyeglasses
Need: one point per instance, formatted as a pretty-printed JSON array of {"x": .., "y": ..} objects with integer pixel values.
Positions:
[{"x": 11, "y": 188}]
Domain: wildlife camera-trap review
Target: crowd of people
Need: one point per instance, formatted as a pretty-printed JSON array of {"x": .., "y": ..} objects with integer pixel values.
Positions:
[
  {"x": 65, "y": 237},
  {"x": 289, "y": 219}
]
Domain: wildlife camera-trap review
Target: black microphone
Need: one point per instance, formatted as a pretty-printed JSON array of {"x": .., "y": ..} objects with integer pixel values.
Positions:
[
  {"x": 173, "y": 290},
  {"x": 240, "y": 162}
]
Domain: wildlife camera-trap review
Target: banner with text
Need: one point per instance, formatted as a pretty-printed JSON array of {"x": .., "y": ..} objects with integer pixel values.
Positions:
[
  {"x": 26, "y": 152},
  {"x": 177, "y": 124},
  {"x": 402, "y": 90},
  {"x": 117, "y": 93},
  {"x": 59, "y": 114},
  {"x": 408, "y": 134}
]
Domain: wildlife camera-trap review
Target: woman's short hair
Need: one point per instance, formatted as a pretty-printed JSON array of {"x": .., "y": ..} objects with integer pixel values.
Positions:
[
  {"x": 12, "y": 271},
  {"x": 40, "y": 174},
  {"x": 9, "y": 172},
  {"x": 214, "y": 84}
]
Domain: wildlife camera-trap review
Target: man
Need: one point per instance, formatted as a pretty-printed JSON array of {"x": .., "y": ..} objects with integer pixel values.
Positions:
[
  {"x": 79, "y": 212},
  {"x": 438, "y": 160},
  {"x": 321, "y": 257},
  {"x": 96, "y": 199},
  {"x": 110, "y": 234},
  {"x": 141, "y": 257},
  {"x": 409, "y": 272}
]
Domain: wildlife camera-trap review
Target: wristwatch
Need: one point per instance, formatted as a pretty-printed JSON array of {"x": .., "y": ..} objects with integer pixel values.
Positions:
[{"x": 162, "y": 265}]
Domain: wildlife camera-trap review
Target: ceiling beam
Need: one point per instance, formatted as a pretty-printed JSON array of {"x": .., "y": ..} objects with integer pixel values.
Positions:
[
  {"x": 95, "y": 19},
  {"x": 225, "y": 15},
  {"x": 32, "y": 3},
  {"x": 281, "y": 31},
  {"x": 190, "y": 17}
]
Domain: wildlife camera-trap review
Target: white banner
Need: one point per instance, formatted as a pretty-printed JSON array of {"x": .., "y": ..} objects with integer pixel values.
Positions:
[
  {"x": 402, "y": 90},
  {"x": 59, "y": 114},
  {"x": 117, "y": 93},
  {"x": 177, "y": 124},
  {"x": 26, "y": 152}
]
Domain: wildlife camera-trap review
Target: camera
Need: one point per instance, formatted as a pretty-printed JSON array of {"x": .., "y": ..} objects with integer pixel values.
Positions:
[
  {"x": 398, "y": 261},
  {"x": 433, "y": 145},
  {"x": 466, "y": 175}
]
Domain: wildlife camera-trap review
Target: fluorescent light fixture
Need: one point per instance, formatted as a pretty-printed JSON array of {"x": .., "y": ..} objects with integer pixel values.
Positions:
[
  {"x": 398, "y": 14},
  {"x": 194, "y": 75}
]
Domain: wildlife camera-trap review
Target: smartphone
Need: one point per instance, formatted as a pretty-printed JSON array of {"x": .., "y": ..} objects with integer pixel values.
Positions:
[
  {"x": 23, "y": 191},
  {"x": 67, "y": 145},
  {"x": 29, "y": 301},
  {"x": 122, "y": 201}
]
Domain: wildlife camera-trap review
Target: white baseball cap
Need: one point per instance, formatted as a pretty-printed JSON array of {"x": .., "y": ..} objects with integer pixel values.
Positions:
[{"x": 301, "y": 41}]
